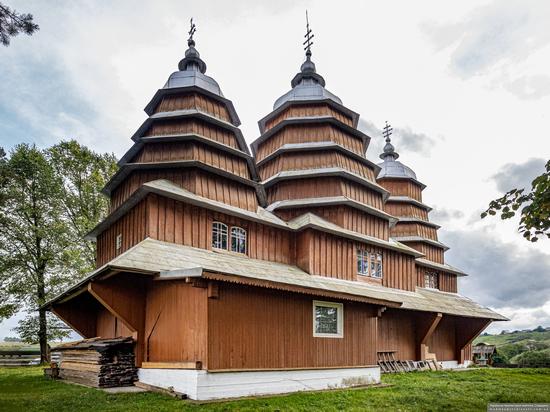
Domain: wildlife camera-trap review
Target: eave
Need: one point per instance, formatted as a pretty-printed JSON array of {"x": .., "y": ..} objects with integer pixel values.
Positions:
[
  {"x": 331, "y": 201},
  {"x": 408, "y": 219},
  {"x": 128, "y": 168},
  {"x": 149, "y": 109},
  {"x": 311, "y": 120},
  {"x": 319, "y": 146},
  {"x": 196, "y": 114},
  {"x": 339, "y": 107},
  {"x": 325, "y": 172},
  {"x": 422, "y": 240},
  {"x": 410, "y": 200},
  {"x": 412, "y": 179},
  {"x": 184, "y": 137},
  {"x": 438, "y": 266}
]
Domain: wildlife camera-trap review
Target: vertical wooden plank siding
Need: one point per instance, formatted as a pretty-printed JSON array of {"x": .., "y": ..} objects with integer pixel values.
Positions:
[
  {"x": 193, "y": 126},
  {"x": 442, "y": 341},
  {"x": 132, "y": 227},
  {"x": 447, "y": 281},
  {"x": 253, "y": 328},
  {"x": 201, "y": 183},
  {"x": 414, "y": 229},
  {"x": 433, "y": 253},
  {"x": 397, "y": 332},
  {"x": 193, "y": 101},
  {"x": 398, "y": 209},
  {"x": 174, "y": 151},
  {"x": 402, "y": 187},
  {"x": 314, "y": 160},
  {"x": 176, "y": 322},
  {"x": 309, "y": 133},
  {"x": 309, "y": 110},
  {"x": 108, "y": 326}
]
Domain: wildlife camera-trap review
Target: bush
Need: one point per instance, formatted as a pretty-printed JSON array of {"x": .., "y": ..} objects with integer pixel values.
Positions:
[{"x": 533, "y": 359}]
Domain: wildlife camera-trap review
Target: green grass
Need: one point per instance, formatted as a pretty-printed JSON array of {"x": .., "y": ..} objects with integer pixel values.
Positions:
[{"x": 25, "y": 389}]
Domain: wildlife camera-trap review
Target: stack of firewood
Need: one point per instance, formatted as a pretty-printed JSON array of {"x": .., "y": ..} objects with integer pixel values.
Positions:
[{"x": 101, "y": 363}]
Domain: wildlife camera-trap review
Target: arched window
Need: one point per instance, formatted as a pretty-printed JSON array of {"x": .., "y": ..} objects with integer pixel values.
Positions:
[
  {"x": 219, "y": 235},
  {"x": 238, "y": 240}
]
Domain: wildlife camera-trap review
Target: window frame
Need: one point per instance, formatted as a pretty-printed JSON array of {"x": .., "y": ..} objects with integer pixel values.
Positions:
[
  {"x": 363, "y": 262},
  {"x": 339, "y": 319},
  {"x": 223, "y": 225},
  {"x": 433, "y": 278},
  {"x": 245, "y": 239},
  {"x": 373, "y": 262}
]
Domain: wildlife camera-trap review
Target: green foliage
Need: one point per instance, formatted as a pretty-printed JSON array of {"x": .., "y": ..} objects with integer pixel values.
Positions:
[
  {"x": 25, "y": 389},
  {"x": 12, "y": 339},
  {"x": 28, "y": 329},
  {"x": 48, "y": 200},
  {"x": 13, "y": 23},
  {"x": 535, "y": 215},
  {"x": 83, "y": 174},
  {"x": 533, "y": 359}
]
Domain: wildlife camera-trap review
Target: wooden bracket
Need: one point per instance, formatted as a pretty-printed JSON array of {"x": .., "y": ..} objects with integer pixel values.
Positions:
[
  {"x": 381, "y": 310},
  {"x": 213, "y": 290}
]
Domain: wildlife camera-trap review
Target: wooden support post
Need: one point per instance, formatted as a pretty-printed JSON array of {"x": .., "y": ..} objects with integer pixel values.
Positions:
[
  {"x": 124, "y": 297},
  {"x": 466, "y": 330},
  {"x": 426, "y": 326}
]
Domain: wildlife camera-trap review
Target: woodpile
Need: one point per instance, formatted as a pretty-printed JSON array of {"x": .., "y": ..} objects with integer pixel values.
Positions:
[{"x": 97, "y": 362}]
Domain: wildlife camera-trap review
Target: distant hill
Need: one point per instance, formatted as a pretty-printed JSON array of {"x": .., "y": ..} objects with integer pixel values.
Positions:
[{"x": 514, "y": 346}]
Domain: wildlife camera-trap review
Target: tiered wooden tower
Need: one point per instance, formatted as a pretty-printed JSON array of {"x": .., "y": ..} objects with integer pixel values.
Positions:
[
  {"x": 311, "y": 157},
  {"x": 413, "y": 227}
]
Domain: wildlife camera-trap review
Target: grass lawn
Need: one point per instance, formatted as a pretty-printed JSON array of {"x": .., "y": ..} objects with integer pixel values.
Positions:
[{"x": 25, "y": 389}]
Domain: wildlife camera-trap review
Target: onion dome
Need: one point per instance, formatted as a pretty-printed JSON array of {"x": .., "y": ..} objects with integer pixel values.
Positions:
[
  {"x": 390, "y": 167},
  {"x": 191, "y": 73},
  {"x": 307, "y": 85}
]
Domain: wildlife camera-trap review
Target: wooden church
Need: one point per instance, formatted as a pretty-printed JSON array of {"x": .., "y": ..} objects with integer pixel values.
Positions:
[{"x": 298, "y": 265}]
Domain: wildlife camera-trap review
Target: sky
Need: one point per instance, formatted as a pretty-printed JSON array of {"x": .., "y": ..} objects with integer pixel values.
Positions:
[{"x": 466, "y": 86}]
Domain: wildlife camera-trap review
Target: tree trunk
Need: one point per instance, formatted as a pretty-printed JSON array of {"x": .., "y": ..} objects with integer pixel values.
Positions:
[{"x": 43, "y": 337}]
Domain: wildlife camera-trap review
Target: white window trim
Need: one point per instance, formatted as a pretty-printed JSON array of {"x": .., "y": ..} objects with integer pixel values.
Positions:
[
  {"x": 227, "y": 235},
  {"x": 339, "y": 319},
  {"x": 436, "y": 275}
]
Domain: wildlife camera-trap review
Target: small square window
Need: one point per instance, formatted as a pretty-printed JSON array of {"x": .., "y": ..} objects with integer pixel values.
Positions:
[
  {"x": 328, "y": 319},
  {"x": 431, "y": 280}
]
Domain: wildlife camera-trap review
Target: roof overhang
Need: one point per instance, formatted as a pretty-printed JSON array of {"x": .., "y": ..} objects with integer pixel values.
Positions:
[
  {"x": 408, "y": 219},
  {"x": 339, "y": 107},
  {"x": 325, "y": 172},
  {"x": 438, "y": 266},
  {"x": 319, "y": 146},
  {"x": 311, "y": 120},
  {"x": 150, "y": 108},
  {"x": 196, "y": 114},
  {"x": 412, "y": 179},
  {"x": 410, "y": 200},
  {"x": 421, "y": 239}
]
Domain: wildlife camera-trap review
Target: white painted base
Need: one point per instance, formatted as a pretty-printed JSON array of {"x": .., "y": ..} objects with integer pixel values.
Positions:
[{"x": 203, "y": 385}]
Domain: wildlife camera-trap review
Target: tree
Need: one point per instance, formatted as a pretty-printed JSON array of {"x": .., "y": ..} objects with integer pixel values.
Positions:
[
  {"x": 83, "y": 174},
  {"x": 535, "y": 215},
  {"x": 13, "y": 23},
  {"x": 33, "y": 235},
  {"x": 29, "y": 329}
]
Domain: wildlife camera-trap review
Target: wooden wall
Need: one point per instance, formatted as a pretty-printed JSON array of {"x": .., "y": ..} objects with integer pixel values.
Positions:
[
  {"x": 193, "y": 101},
  {"x": 397, "y": 332},
  {"x": 405, "y": 209},
  {"x": 433, "y": 253},
  {"x": 108, "y": 326},
  {"x": 344, "y": 216},
  {"x": 314, "y": 160},
  {"x": 201, "y": 183},
  {"x": 132, "y": 227},
  {"x": 253, "y": 328},
  {"x": 323, "y": 187},
  {"x": 323, "y": 254},
  {"x": 442, "y": 342},
  {"x": 447, "y": 281},
  {"x": 309, "y": 110},
  {"x": 309, "y": 133},
  {"x": 414, "y": 229},
  {"x": 176, "y": 322},
  {"x": 402, "y": 187},
  {"x": 174, "y": 151},
  {"x": 193, "y": 126}
]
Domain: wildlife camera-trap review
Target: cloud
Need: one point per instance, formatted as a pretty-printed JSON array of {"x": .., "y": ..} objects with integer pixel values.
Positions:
[
  {"x": 502, "y": 32},
  {"x": 404, "y": 139},
  {"x": 518, "y": 175},
  {"x": 502, "y": 275},
  {"x": 442, "y": 215},
  {"x": 529, "y": 87}
]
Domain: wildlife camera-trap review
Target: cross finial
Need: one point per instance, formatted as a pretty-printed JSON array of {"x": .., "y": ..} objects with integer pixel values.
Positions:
[
  {"x": 192, "y": 30},
  {"x": 308, "y": 37},
  {"x": 388, "y": 130}
]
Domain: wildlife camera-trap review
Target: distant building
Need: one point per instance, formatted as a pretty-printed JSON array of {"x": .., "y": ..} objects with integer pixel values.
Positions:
[{"x": 483, "y": 353}]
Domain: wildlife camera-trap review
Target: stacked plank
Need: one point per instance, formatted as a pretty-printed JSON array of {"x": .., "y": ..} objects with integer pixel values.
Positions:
[{"x": 97, "y": 362}]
